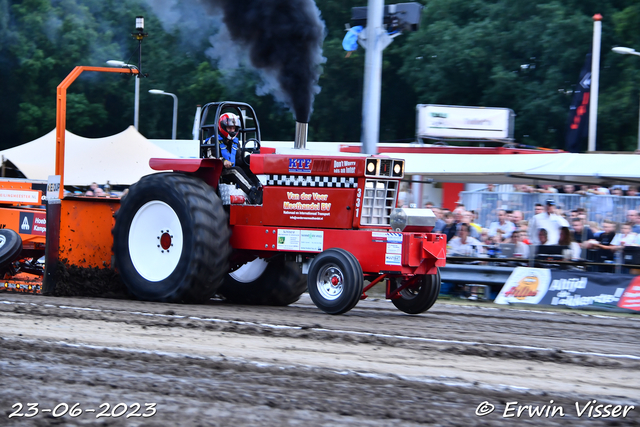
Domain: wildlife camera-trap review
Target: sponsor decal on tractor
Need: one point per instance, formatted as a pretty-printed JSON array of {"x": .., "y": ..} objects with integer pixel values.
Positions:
[
  {"x": 33, "y": 223},
  {"x": 300, "y": 165}
]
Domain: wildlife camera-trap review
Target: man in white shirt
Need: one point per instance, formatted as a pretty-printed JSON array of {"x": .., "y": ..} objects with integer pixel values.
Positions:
[
  {"x": 503, "y": 225},
  {"x": 548, "y": 220},
  {"x": 634, "y": 219},
  {"x": 463, "y": 244}
]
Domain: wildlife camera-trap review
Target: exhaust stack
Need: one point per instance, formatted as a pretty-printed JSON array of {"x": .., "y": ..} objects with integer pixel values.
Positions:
[{"x": 301, "y": 136}]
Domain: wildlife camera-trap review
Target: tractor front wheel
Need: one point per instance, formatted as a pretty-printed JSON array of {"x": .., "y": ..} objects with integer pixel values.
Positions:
[
  {"x": 420, "y": 297},
  {"x": 171, "y": 239},
  {"x": 259, "y": 282},
  {"x": 335, "y": 281}
]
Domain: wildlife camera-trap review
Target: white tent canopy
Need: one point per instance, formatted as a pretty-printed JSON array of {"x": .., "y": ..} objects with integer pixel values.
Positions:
[{"x": 121, "y": 159}]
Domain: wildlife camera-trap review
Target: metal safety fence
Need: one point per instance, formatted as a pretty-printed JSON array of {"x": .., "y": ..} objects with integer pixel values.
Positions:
[{"x": 597, "y": 207}]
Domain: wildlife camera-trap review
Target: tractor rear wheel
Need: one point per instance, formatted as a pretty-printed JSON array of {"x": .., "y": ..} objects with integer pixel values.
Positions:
[
  {"x": 10, "y": 247},
  {"x": 420, "y": 297},
  {"x": 259, "y": 282},
  {"x": 171, "y": 239},
  {"x": 335, "y": 281}
]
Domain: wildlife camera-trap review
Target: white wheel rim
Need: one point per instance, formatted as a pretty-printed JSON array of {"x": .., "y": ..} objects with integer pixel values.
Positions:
[
  {"x": 330, "y": 282},
  {"x": 155, "y": 241},
  {"x": 250, "y": 271},
  {"x": 3, "y": 241}
]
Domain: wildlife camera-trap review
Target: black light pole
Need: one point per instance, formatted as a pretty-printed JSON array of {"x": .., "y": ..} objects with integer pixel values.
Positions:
[{"x": 138, "y": 35}]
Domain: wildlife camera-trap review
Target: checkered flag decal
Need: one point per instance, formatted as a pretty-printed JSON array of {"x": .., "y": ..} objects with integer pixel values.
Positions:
[{"x": 312, "y": 181}]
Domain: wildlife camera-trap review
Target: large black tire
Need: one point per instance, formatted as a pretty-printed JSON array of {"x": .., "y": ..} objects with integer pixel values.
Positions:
[
  {"x": 360, "y": 274},
  {"x": 335, "y": 281},
  {"x": 10, "y": 247},
  {"x": 275, "y": 282},
  {"x": 419, "y": 298},
  {"x": 171, "y": 239}
]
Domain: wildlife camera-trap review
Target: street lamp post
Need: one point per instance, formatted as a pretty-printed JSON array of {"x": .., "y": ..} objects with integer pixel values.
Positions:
[
  {"x": 629, "y": 51},
  {"x": 175, "y": 108},
  {"x": 136, "y": 102},
  {"x": 138, "y": 35}
]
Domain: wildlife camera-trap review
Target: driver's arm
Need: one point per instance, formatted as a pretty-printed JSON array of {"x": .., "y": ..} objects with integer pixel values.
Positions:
[{"x": 225, "y": 155}]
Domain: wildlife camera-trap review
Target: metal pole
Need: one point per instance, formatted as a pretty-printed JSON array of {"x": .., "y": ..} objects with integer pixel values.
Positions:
[
  {"x": 175, "y": 115},
  {"x": 372, "y": 77},
  {"x": 136, "y": 107},
  {"x": 595, "y": 81},
  {"x": 416, "y": 189},
  {"x": 196, "y": 124}
]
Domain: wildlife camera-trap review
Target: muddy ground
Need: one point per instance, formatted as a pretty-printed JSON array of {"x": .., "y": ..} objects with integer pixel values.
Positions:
[{"x": 226, "y": 365}]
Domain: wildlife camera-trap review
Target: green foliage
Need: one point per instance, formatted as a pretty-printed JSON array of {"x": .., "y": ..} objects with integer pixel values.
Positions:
[{"x": 496, "y": 53}]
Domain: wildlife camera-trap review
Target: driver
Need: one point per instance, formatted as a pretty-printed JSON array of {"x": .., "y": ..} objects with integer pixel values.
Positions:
[{"x": 228, "y": 128}]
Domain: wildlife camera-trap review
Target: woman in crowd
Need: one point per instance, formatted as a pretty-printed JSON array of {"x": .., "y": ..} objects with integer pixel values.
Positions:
[
  {"x": 522, "y": 249},
  {"x": 566, "y": 239}
]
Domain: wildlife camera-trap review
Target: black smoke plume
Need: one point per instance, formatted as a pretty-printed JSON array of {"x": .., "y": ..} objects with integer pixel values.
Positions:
[{"x": 284, "y": 41}]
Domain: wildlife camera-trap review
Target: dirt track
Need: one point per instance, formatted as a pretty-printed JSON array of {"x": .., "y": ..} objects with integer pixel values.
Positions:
[{"x": 221, "y": 365}]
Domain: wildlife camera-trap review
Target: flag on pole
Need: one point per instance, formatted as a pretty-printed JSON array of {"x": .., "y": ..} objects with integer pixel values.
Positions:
[{"x": 578, "y": 123}]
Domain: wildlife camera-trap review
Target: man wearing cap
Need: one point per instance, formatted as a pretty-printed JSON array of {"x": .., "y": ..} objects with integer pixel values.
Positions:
[{"x": 548, "y": 220}]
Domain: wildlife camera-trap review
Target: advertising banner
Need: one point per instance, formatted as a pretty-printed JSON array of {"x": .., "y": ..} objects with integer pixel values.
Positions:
[
  {"x": 578, "y": 122},
  {"x": 448, "y": 121},
  {"x": 573, "y": 289},
  {"x": 525, "y": 286},
  {"x": 582, "y": 289},
  {"x": 631, "y": 298}
]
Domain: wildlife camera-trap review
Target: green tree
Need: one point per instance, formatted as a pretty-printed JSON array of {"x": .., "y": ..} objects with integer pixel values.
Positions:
[
  {"x": 524, "y": 56},
  {"x": 496, "y": 53}
]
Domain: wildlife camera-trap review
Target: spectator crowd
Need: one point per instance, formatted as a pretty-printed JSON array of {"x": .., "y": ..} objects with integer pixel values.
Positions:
[{"x": 545, "y": 223}]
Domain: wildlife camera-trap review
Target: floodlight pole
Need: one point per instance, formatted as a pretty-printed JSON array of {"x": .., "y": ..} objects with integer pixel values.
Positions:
[
  {"x": 138, "y": 35},
  {"x": 374, "y": 45},
  {"x": 374, "y": 39}
]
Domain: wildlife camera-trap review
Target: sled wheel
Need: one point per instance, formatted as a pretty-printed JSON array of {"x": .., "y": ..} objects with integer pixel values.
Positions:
[
  {"x": 10, "y": 247},
  {"x": 419, "y": 298},
  {"x": 171, "y": 239},
  {"x": 259, "y": 282},
  {"x": 335, "y": 281},
  {"x": 361, "y": 275}
]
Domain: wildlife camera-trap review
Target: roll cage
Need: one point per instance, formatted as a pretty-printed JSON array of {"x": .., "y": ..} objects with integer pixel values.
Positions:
[{"x": 209, "y": 129}]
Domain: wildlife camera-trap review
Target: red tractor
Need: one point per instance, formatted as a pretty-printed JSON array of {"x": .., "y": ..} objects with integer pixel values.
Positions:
[{"x": 252, "y": 232}]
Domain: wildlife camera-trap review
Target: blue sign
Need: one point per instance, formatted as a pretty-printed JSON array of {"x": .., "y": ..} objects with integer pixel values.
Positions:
[{"x": 300, "y": 165}]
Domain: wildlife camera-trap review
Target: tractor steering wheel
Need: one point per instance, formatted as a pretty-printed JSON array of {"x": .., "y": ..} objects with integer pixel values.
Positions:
[{"x": 246, "y": 150}]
